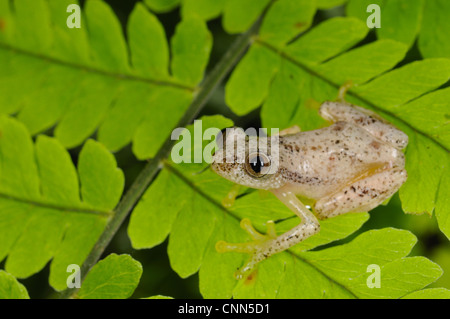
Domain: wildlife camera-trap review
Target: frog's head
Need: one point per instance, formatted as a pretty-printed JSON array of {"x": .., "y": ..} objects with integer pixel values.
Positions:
[{"x": 248, "y": 160}]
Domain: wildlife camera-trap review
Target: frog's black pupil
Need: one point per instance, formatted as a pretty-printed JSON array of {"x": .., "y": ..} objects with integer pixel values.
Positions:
[{"x": 256, "y": 164}]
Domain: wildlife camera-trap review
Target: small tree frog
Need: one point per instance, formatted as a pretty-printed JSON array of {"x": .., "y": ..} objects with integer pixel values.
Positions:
[{"x": 352, "y": 165}]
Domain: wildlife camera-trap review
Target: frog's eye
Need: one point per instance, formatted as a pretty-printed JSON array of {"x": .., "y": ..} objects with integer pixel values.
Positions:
[{"x": 257, "y": 165}]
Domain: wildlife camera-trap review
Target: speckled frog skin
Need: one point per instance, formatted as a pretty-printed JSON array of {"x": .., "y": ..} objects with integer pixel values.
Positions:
[{"x": 352, "y": 165}]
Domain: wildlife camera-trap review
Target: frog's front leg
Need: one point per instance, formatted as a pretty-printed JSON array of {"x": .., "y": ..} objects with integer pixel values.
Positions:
[{"x": 264, "y": 246}]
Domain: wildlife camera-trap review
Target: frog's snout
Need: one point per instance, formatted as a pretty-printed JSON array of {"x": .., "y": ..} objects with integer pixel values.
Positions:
[{"x": 222, "y": 167}]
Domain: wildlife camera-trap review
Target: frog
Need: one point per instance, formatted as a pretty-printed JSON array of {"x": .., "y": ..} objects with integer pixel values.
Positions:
[{"x": 352, "y": 165}]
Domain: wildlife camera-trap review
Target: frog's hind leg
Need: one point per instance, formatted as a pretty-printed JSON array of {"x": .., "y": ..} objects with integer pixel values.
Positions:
[
  {"x": 371, "y": 122},
  {"x": 362, "y": 195}
]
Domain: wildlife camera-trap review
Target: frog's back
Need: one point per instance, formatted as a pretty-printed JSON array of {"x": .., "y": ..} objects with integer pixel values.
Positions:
[{"x": 314, "y": 163}]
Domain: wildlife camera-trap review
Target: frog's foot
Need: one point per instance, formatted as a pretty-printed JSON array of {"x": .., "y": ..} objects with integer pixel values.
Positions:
[
  {"x": 260, "y": 244},
  {"x": 343, "y": 91}
]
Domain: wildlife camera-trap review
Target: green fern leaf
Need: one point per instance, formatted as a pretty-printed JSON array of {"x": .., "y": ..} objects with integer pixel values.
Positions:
[
  {"x": 159, "y": 297},
  {"x": 88, "y": 74},
  {"x": 433, "y": 33},
  {"x": 115, "y": 277},
  {"x": 407, "y": 20},
  {"x": 238, "y": 15},
  {"x": 41, "y": 209},
  {"x": 10, "y": 288},
  {"x": 161, "y": 6},
  {"x": 432, "y": 293}
]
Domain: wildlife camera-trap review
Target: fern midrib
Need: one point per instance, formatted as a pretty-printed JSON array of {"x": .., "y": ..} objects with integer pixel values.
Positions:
[
  {"x": 182, "y": 177},
  {"x": 349, "y": 92},
  {"x": 69, "y": 209},
  {"x": 118, "y": 76}
]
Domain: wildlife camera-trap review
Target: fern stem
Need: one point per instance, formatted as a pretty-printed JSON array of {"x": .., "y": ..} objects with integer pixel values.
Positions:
[{"x": 150, "y": 171}]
